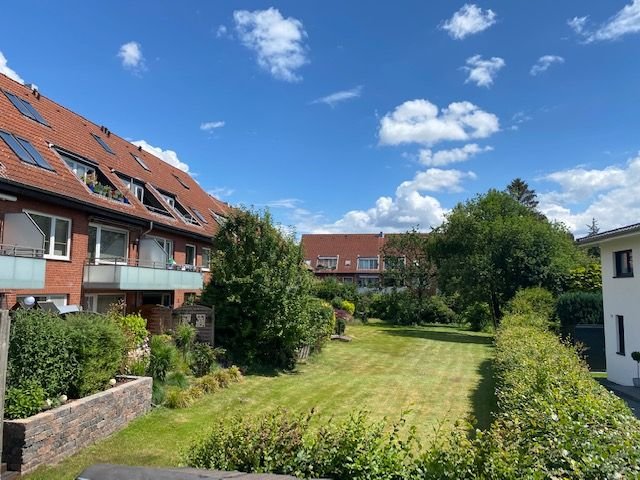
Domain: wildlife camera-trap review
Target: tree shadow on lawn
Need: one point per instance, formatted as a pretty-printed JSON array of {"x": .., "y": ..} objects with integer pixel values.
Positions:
[
  {"x": 439, "y": 336},
  {"x": 483, "y": 398}
]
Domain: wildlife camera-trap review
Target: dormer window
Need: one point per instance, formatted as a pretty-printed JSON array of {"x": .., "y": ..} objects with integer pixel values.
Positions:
[
  {"x": 132, "y": 184},
  {"x": 182, "y": 212},
  {"x": 220, "y": 219},
  {"x": 368, "y": 263},
  {"x": 89, "y": 173},
  {"x": 327, "y": 263}
]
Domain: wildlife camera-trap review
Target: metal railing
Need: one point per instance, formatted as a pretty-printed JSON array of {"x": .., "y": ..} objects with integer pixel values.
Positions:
[
  {"x": 134, "y": 262},
  {"x": 20, "y": 251}
]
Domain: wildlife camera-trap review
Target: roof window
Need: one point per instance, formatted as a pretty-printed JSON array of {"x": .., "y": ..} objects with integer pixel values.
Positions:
[
  {"x": 141, "y": 162},
  {"x": 25, "y": 151},
  {"x": 103, "y": 144},
  {"x": 25, "y": 108}
]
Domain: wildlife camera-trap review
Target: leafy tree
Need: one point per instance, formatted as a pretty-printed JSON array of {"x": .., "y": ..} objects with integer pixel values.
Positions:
[
  {"x": 259, "y": 288},
  {"x": 493, "y": 245},
  {"x": 519, "y": 190},
  {"x": 407, "y": 263},
  {"x": 593, "y": 229}
]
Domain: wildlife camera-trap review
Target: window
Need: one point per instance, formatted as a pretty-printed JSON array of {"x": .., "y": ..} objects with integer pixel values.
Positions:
[
  {"x": 327, "y": 263},
  {"x": 25, "y": 108},
  {"x": 24, "y": 150},
  {"x": 368, "y": 263},
  {"x": 107, "y": 244},
  {"x": 102, "y": 303},
  {"x": 136, "y": 187},
  {"x": 347, "y": 279},
  {"x": 156, "y": 298},
  {"x": 169, "y": 199},
  {"x": 80, "y": 169},
  {"x": 103, "y": 144},
  {"x": 206, "y": 259},
  {"x": 624, "y": 263},
  {"x": 181, "y": 182},
  {"x": 220, "y": 219},
  {"x": 177, "y": 207},
  {"x": 368, "y": 281},
  {"x": 166, "y": 245},
  {"x": 199, "y": 215},
  {"x": 620, "y": 332},
  {"x": 57, "y": 235},
  {"x": 141, "y": 162},
  {"x": 190, "y": 255}
]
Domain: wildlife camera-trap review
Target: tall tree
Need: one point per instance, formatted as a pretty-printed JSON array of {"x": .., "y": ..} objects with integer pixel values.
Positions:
[
  {"x": 593, "y": 229},
  {"x": 259, "y": 288},
  {"x": 492, "y": 245},
  {"x": 519, "y": 190}
]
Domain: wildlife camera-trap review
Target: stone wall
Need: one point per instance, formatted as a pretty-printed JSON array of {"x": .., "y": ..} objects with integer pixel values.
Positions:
[{"x": 51, "y": 436}]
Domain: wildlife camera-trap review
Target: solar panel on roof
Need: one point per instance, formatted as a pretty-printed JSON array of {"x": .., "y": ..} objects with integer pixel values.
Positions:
[
  {"x": 103, "y": 144},
  {"x": 24, "y": 150},
  {"x": 25, "y": 108}
]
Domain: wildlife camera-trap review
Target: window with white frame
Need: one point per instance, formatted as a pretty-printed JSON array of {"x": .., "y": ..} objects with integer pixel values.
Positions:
[
  {"x": 166, "y": 245},
  {"x": 329, "y": 263},
  {"x": 102, "y": 303},
  {"x": 108, "y": 244},
  {"x": 368, "y": 263},
  {"x": 80, "y": 169},
  {"x": 206, "y": 259},
  {"x": 57, "y": 234},
  {"x": 190, "y": 255},
  {"x": 136, "y": 187}
]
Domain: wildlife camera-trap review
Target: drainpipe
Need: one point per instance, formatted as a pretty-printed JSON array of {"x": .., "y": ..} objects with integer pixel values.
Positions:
[{"x": 147, "y": 231}]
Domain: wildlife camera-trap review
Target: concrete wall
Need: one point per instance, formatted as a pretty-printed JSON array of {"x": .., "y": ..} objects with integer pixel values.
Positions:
[
  {"x": 621, "y": 296},
  {"x": 56, "y": 434}
]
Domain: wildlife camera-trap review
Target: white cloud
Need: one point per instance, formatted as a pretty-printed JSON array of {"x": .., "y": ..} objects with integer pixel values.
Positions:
[
  {"x": 277, "y": 41},
  {"x": 340, "y": 96},
  {"x": 211, "y": 126},
  {"x": 221, "y": 31},
  {"x": 544, "y": 62},
  {"x": 131, "y": 55},
  {"x": 483, "y": 72},
  {"x": 420, "y": 121},
  {"x": 168, "y": 156},
  {"x": 611, "y": 195},
  {"x": 454, "y": 155},
  {"x": 518, "y": 119},
  {"x": 624, "y": 22},
  {"x": 469, "y": 20},
  {"x": 289, "y": 203},
  {"x": 221, "y": 192},
  {"x": 9, "y": 72}
]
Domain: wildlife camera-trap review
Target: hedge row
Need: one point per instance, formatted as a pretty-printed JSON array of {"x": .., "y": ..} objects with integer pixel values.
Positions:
[{"x": 554, "y": 421}]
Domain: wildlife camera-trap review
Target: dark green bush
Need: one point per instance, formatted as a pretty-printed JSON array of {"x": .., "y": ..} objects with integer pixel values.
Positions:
[
  {"x": 41, "y": 351},
  {"x": 341, "y": 326},
  {"x": 203, "y": 358},
  {"x": 99, "y": 345},
  {"x": 321, "y": 318},
  {"x": 533, "y": 300},
  {"x": 478, "y": 316},
  {"x": 577, "y": 308},
  {"x": 163, "y": 357},
  {"x": 24, "y": 401}
]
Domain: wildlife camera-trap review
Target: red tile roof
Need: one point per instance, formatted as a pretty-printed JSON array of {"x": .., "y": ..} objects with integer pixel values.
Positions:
[
  {"x": 346, "y": 246},
  {"x": 72, "y": 132}
]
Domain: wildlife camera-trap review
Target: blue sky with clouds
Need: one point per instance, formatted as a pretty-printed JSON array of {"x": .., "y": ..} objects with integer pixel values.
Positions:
[{"x": 357, "y": 116}]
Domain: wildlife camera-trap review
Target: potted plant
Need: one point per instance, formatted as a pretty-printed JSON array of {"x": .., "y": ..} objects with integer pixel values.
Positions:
[{"x": 636, "y": 358}]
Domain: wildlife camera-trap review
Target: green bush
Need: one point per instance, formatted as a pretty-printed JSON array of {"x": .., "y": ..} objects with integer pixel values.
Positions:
[
  {"x": 341, "y": 326},
  {"x": 203, "y": 358},
  {"x": 24, "y": 401},
  {"x": 586, "y": 278},
  {"x": 436, "y": 310},
  {"x": 576, "y": 308},
  {"x": 134, "y": 327},
  {"x": 321, "y": 318},
  {"x": 177, "y": 379},
  {"x": 184, "y": 336},
  {"x": 330, "y": 288},
  {"x": 163, "y": 357},
  {"x": 99, "y": 347},
  {"x": 348, "y": 306},
  {"x": 533, "y": 300},
  {"x": 478, "y": 316},
  {"x": 41, "y": 351},
  {"x": 176, "y": 397},
  {"x": 208, "y": 383}
]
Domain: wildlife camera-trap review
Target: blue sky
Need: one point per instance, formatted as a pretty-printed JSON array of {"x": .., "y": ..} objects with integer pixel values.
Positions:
[{"x": 357, "y": 116}]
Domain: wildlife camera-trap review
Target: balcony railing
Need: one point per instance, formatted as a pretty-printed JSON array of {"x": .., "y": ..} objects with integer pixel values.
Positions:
[
  {"x": 20, "y": 251},
  {"x": 134, "y": 262},
  {"x": 21, "y": 267}
]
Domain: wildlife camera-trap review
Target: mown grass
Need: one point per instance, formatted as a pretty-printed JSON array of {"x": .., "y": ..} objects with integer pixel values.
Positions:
[{"x": 440, "y": 374}]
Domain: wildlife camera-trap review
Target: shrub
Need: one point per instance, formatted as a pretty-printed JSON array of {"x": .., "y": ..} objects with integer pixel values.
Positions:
[
  {"x": 99, "y": 347},
  {"x": 24, "y": 401},
  {"x": 533, "y": 300},
  {"x": 139, "y": 368},
  {"x": 341, "y": 326},
  {"x": 158, "y": 393},
  {"x": 184, "y": 336},
  {"x": 586, "y": 279},
  {"x": 478, "y": 316},
  {"x": 203, "y": 358},
  {"x": 41, "y": 351},
  {"x": 330, "y": 288},
  {"x": 208, "y": 383},
  {"x": 163, "y": 357},
  {"x": 575, "y": 308},
  {"x": 176, "y": 397},
  {"x": 134, "y": 328},
  {"x": 435, "y": 310},
  {"x": 223, "y": 377},
  {"x": 234, "y": 373},
  {"x": 321, "y": 321},
  {"x": 337, "y": 302},
  {"x": 177, "y": 379},
  {"x": 348, "y": 306}
]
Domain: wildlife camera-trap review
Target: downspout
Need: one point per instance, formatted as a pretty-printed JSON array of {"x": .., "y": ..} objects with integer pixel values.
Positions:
[{"x": 147, "y": 231}]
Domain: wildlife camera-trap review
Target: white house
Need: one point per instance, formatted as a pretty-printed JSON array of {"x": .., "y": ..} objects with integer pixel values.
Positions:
[{"x": 621, "y": 297}]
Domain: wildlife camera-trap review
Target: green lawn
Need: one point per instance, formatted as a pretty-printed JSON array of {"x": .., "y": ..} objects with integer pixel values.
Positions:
[{"x": 440, "y": 373}]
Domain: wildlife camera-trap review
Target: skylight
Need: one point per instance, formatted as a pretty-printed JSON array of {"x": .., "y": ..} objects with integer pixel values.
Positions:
[
  {"x": 104, "y": 145},
  {"x": 199, "y": 215},
  {"x": 141, "y": 162},
  {"x": 220, "y": 219},
  {"x": 24, "y": 150},
  {"x": 181, "y": 182},
  {"x": 25, "y": 108}
]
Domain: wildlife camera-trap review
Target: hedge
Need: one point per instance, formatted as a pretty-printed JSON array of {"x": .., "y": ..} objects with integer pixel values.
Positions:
[{"x": 579, "y": 308}]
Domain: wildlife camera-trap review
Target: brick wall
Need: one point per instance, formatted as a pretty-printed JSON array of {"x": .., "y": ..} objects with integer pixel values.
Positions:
[{"x": 51, "y": 436}]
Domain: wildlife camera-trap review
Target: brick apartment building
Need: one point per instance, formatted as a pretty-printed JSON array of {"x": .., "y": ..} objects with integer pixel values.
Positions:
[
  {"x": 353, "y": 258},
  {"x": 87, "y": 218}
]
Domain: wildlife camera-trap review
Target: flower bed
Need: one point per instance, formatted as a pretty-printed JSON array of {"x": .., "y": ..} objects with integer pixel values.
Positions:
[{"x": 50, "y": 436}]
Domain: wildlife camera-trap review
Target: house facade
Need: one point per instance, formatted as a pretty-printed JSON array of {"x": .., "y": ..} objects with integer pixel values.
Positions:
[
  {"x": 87, "y": 218},
  {"x": 619, "y": 250},
  {"x": 350, "y": 258}
]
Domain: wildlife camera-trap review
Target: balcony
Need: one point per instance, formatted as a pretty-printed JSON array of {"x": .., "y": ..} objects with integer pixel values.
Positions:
[
  {"x": 21, "y": 267},
  {"x": 120, "y": 274}
]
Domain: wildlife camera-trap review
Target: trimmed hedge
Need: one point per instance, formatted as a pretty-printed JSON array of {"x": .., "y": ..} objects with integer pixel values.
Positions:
[{"x": 579, "y": 308}]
